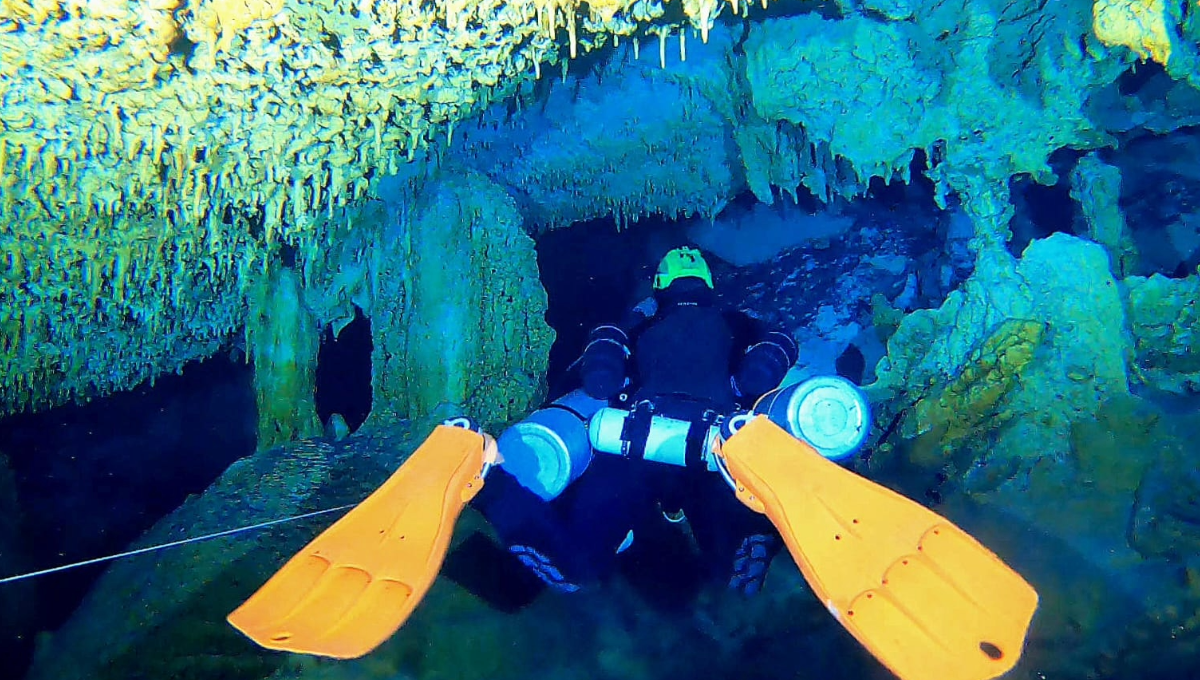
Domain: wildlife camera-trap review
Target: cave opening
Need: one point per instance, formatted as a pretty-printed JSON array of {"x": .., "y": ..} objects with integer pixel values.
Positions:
[
  {"x": 783, "y": 263},
  {"x": 1160, "y": 199},
  {"x": 344, "y": 372},
  {"x": 1146, "y": 80},
  {"x": 918, "y": 191},
  {"x": 593, "y": 272},
  {"x": 1045, "y": 209},
  {"x": 90, "y": 478}
]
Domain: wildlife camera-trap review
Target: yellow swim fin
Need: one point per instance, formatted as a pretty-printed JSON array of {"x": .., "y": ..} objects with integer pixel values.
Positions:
[
  {"x": 919, "y": 593},
  {"x": 348, "y": 590}
]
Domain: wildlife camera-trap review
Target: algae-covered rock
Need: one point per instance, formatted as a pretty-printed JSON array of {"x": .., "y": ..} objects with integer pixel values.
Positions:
[
  {"x": 1097, "y": 187},
  {"x": 1011, "y": 359},
  {"x": 282, "y": 337},
  {"x": 970, "y": 403},
  {"x": 459, "y": 313},
  {"x": 1164, "y": 318},
  {"x": 162, "y": 614}
]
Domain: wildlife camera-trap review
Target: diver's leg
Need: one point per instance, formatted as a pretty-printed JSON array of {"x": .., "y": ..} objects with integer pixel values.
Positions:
[
  {"x": 528, "y": 526},
  {"x": 575, "y": 538},
  {"x": 736, "y": 543},
  {"x": 603, "y": 508}
]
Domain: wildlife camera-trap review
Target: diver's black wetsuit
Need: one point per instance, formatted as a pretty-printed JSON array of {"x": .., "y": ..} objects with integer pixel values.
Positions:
[{"x": 683, "y": 358}]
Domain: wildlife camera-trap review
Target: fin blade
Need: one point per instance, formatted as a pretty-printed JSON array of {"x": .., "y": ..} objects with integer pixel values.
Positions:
[
  {"x": 356, "y": 583},
  {"x": 918, "y": 592}
]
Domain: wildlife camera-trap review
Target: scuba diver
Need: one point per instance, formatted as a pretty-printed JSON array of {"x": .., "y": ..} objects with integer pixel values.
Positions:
[
  {"x": 659, "y": 431},
  {"x": 675, "y": 355}
]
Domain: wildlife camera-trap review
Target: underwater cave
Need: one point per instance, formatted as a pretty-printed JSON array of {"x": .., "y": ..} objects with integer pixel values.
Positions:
[
  {"x": 804, "y": 256},
  {"x": 400, "y": 208},
  {"x": 593, "y": 273}
]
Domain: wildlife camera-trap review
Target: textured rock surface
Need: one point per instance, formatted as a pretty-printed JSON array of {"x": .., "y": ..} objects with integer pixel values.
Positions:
[
  {"x": 154, "y": 155},
  {"x": 975, "y": 86},
  {"x": 627, "y": 140},
  {"x": 136, "y": 223},
  {"x": 1096, "y": 186},
  {"x": 459, "y": 318},
  {"x": 1164, "y": 317},
  {"x": 283, "y": 347},
  {"x": 1009, "y": 360},
  {"x": 1015, "y": 397}
]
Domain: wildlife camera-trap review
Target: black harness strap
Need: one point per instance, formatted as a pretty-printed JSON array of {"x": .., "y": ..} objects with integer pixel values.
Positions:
[
  {"x": 636, "y": 431},
  {"x": 696, "y": 434}
]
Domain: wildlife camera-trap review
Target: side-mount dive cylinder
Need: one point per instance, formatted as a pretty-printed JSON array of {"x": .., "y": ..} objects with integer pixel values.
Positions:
[
  {"x": 549, "y": 449},
  {"x": 642, "y": 434},
  {"x": 829, "y": 413}
]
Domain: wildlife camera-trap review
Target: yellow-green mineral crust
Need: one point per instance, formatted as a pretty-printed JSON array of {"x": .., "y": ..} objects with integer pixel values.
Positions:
[
  {"x": 970, "y": 402},
  {"x": 153, "y": 155},
  {"x": 459, "y": 320},
  {"x": 1021, "y": 351}
]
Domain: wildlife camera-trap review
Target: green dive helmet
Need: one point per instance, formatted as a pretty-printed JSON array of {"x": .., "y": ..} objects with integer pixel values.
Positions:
[{"x": 680, "y": 263}]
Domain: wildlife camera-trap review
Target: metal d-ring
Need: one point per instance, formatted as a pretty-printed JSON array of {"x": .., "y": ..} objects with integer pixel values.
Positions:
[
  {"x": 468, "y": 423},
  {"x": 464, "y": 422},
  {"x": 737, "y": 421},
  {"x": 489, "y": 462}
]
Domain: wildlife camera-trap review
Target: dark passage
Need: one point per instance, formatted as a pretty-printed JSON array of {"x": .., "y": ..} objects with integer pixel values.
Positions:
[
  {"x": 594, "y": 273},
  {"x": 344, "y": 372},
  {"x": 91, "y": 478},
  {"x": 1042, "y": 210}
]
